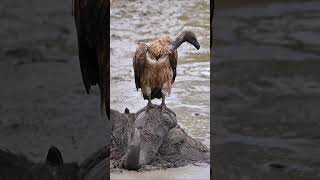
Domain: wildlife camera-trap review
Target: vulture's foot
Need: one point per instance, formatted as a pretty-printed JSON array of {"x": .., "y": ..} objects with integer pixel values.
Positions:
[
  {"x": 150, "y": 106},
  {"x": 165, "y": 108}
]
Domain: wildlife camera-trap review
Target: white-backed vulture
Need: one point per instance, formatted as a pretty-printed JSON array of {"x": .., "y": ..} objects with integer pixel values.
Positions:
[
  {"x": 92, "y": 24},
  {"x": 155, "y": 64}
]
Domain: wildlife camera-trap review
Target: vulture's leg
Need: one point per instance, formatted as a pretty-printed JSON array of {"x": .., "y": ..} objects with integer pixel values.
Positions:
[
  {"x": 163, "y": 103},
  {"x": 150, "y": 105},
  {"x": 164, "y": 106},
  {"x": 149, "y": 101}
]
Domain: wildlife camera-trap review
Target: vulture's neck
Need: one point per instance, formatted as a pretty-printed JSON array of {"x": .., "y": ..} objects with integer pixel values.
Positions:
[{"x": 159, "y": 48}]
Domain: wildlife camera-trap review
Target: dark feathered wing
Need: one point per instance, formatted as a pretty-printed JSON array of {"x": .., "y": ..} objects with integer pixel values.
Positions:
[
  {"x": 92, "y": 24},
  {"x": 87, "y": 54},
  {"x": 139, "y": 59}
]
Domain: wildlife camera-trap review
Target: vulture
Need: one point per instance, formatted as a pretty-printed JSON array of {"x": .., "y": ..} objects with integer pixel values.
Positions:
[
  {"x": 155, "y": 65},
  {"x": 92, "y": 25}
]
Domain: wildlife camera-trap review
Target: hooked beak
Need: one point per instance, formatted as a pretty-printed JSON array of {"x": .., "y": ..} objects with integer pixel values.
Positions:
[
  {"x": 197, "y": 45},
  {"x": 185, "y": 36}
]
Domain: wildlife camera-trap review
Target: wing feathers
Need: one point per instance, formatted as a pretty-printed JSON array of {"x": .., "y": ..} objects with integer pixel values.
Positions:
[{"x": 138, "y": 63}]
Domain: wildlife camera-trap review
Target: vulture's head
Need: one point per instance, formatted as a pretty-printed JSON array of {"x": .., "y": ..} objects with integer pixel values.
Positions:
[
  {"x": 191, "y": 38},
  {"x": 185, "y": 36}
]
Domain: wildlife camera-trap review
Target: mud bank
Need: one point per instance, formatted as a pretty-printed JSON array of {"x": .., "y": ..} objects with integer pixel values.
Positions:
[{"x": 156, "y": 139}]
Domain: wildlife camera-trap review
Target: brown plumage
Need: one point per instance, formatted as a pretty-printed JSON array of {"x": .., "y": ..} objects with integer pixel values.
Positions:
[
  {"x": 155, "y": 64},
  {"x": 92, "y": 24}
]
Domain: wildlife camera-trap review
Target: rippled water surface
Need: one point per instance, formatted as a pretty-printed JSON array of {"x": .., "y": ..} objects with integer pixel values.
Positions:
[
  {"x": 141, "y": 21},
  {"x": 266, "y": 90}
]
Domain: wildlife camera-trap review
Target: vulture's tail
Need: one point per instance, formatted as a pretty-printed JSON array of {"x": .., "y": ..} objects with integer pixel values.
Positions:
[{"x": 185, "y": 36}]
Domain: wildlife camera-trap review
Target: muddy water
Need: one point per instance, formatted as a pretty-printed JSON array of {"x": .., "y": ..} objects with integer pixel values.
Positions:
[
  {"x": 199, "y": 172},
  {"x": 141, "y": 21},
  {"x": 42, "y": 98},
  {"x": 266, "y": 90}
]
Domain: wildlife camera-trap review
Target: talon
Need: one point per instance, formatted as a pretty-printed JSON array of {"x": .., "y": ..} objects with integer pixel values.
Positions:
[
  {"x": 147, "y": 109},
  {"x": 149, "y": 106},
  {"x": 163, "y": 107}
]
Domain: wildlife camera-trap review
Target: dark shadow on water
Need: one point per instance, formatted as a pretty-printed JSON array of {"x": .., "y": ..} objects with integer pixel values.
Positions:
[{"x": 265, "y": 90}]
